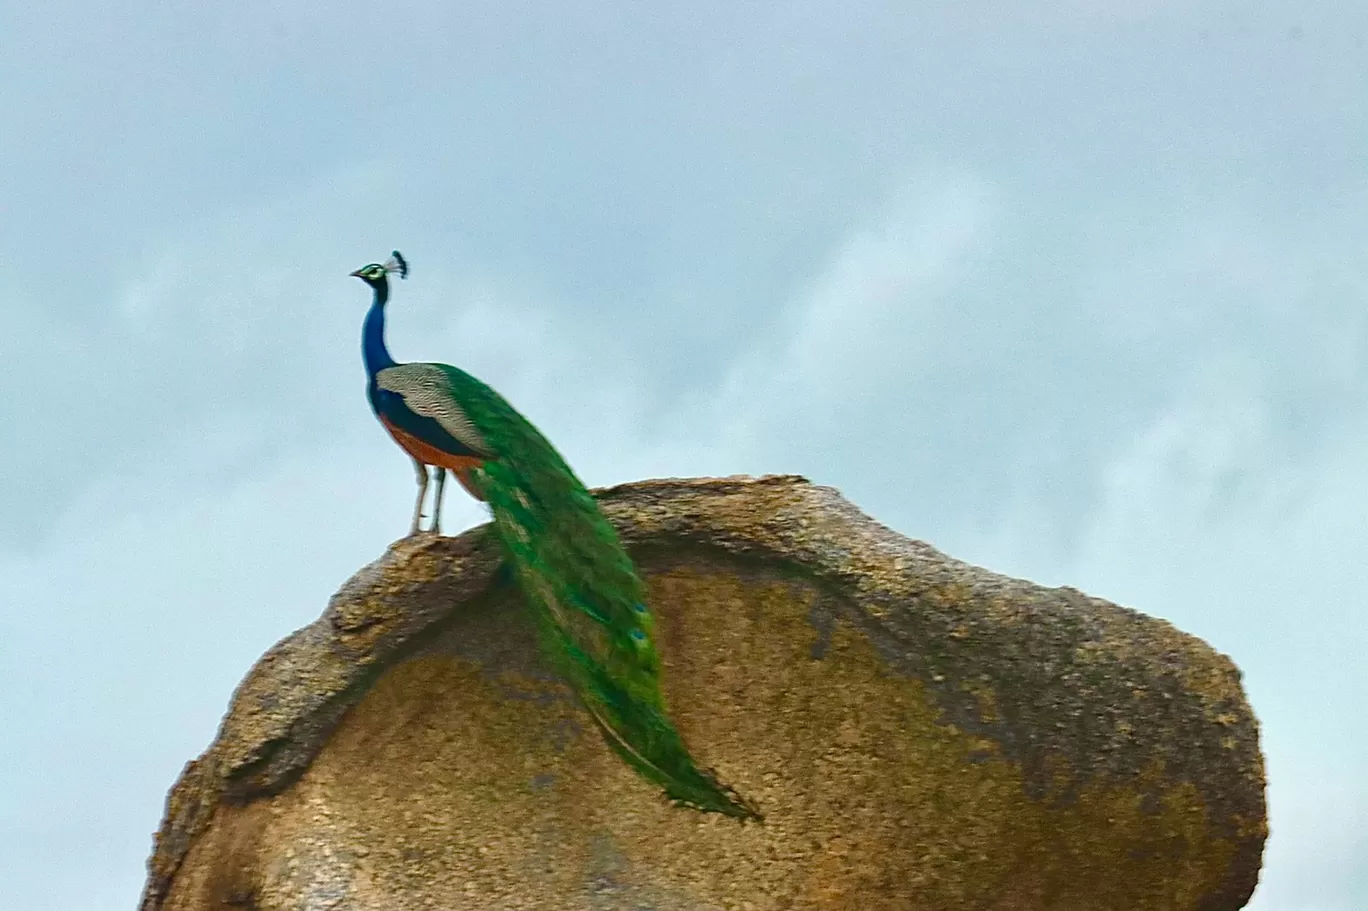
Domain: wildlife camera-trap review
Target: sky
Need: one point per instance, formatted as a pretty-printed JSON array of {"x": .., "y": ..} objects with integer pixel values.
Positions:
[{"x": 1077, "y": 291}]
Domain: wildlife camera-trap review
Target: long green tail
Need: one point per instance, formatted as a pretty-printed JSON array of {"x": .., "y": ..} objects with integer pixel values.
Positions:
[{"x": 589, "y": 603}]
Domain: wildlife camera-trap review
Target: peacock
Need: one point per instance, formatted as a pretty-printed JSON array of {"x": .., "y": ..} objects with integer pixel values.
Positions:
[{"x": 585, "y": 593}]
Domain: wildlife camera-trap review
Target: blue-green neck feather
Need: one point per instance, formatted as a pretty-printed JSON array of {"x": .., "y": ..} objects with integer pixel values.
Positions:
[{"x": 373, "y": 348}]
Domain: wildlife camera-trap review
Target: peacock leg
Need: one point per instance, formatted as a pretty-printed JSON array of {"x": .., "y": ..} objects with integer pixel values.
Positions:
[
  {"x": 437, "y": 500},
  {"x": 422, "y": 492}
]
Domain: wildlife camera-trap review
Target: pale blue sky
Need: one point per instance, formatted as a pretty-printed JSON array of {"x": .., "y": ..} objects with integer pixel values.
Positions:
[{"x": 1076, "y": 290}]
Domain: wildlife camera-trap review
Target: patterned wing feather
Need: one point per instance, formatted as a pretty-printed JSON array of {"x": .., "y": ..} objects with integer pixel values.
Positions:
[
  {"x": 586, "y": 595},
  {"x": 427, "y": 391}
]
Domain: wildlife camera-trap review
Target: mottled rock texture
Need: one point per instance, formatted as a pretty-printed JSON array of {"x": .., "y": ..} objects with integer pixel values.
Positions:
[{"x": 920, "y": 734}]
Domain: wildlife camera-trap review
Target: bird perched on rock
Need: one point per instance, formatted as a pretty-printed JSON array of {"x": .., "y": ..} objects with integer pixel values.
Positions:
[{"x": 588, "y": 600}]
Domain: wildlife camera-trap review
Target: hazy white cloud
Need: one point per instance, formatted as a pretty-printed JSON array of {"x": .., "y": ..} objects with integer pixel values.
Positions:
[{"x": 871, "y": 315}]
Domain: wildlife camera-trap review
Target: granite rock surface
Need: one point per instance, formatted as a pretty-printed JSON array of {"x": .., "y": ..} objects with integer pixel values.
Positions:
[{"x": 919, "y": 733}]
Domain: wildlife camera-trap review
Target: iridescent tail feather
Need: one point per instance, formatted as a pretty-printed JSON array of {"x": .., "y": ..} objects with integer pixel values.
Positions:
[{"x": 591, "y": 616}]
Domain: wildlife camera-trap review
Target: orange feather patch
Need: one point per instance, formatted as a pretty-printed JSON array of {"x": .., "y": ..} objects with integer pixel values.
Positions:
[{"x": 429, "y": 454}]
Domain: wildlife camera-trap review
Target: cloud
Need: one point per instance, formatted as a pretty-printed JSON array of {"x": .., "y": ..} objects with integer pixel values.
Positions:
[{"x": 874, "y": 314}]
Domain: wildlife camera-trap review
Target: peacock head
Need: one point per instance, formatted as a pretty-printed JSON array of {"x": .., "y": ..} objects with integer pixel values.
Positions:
[{"x": 376, "y": 274}]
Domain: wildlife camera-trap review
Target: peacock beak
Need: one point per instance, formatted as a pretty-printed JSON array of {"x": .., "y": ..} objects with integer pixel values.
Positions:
[{"x": 355, "y": 274}]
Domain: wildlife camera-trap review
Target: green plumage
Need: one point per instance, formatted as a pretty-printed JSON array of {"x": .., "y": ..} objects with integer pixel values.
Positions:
[{"x": 588, "y": 600}]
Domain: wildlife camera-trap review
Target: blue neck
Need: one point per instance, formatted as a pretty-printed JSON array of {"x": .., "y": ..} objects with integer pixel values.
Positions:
[{"x": 373, "y": 348}]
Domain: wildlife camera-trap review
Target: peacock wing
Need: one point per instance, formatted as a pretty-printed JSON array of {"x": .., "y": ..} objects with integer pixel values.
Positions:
[{"x": 427, "y": 390}]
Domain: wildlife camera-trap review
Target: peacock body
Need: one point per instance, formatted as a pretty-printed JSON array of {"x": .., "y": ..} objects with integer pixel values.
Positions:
[{"x": 585, "y": 593}]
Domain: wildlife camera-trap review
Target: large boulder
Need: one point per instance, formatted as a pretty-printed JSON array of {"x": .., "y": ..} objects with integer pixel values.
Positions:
[{"x": 919, "y": 733}]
